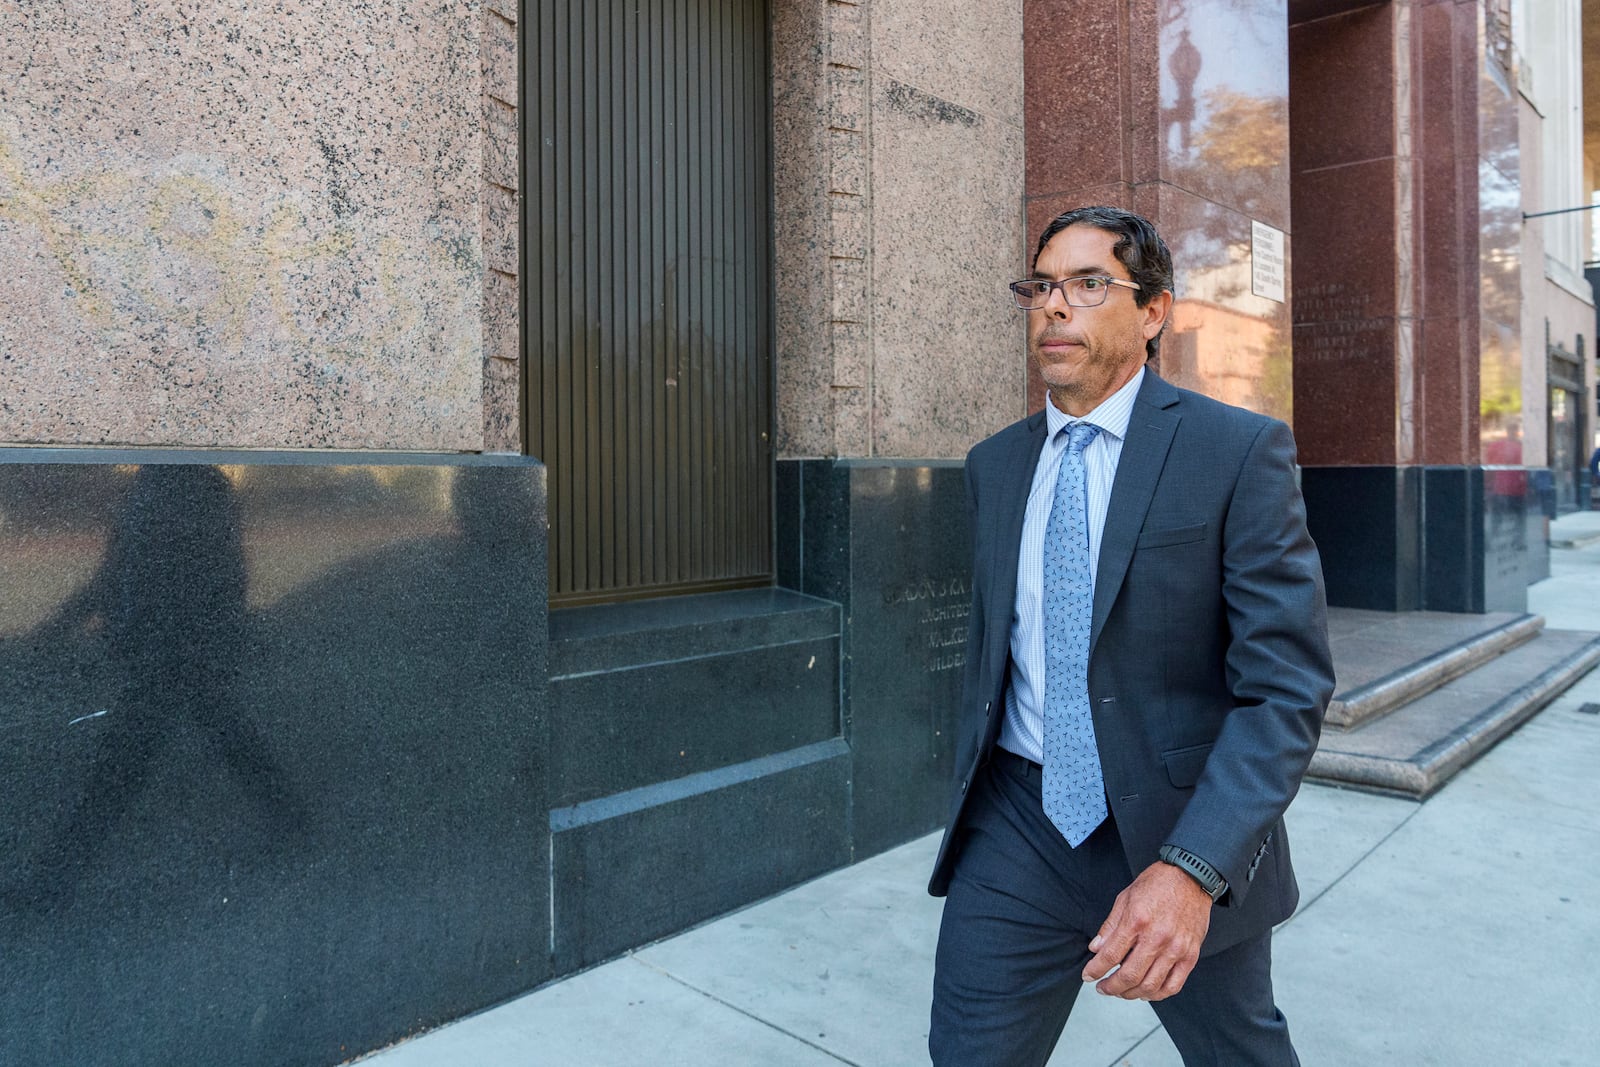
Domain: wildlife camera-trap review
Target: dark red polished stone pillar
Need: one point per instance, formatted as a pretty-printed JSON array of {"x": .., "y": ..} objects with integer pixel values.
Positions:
[
  {"x": 1384, "y": 128},
  {"x": 1178, "y": 111},
  {"x": 1400, "y": 368},
  {"x": 1406, "y": 369}
]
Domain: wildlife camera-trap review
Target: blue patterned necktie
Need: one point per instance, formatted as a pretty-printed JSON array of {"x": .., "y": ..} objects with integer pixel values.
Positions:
[{"x": 1074, "y": 790}]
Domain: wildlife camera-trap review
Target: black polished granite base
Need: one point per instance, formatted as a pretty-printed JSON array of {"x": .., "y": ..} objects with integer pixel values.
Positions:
[
  {"x": 300, "y": 763},
  {"x": 1367, "y": 523},
  {"x": 273, "y": 737},
  {"x": 1466, "y": 539},
  {"x": 640, "y": 865},
  {"x": 695, "y": 762},
  {"x": 889, "y": 541}
]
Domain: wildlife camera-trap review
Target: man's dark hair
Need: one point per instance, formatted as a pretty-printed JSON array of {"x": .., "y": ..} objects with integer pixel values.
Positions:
[{"x": 1139, "y": 248}]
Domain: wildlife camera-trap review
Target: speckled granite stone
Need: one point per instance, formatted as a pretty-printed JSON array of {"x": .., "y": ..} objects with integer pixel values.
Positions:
[
  {"x": 949, "y": 363},
  {"x": 502, "y": 302},
  {"x": 262, "y": 226},
  {"x": 501, "y": 422},
  {"x": 962, "y": 51},
  {"x": 802, "y": 222},
  {"x": 898, "y": 186},
  {"x": 500, "y": 311}
]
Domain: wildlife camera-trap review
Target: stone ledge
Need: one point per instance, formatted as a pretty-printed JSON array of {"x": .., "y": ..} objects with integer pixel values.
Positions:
[
  {"x": 1383, "y": 695},
  {"x": 640, "y": 633},
  {"x": 1417, "y": 749}
]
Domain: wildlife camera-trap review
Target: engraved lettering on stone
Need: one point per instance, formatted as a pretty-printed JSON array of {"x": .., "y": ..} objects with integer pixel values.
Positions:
[{"x": 941, "y": 606}]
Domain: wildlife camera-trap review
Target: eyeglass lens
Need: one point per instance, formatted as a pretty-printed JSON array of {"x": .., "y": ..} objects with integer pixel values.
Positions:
[{"x": 1084, "y": 292}]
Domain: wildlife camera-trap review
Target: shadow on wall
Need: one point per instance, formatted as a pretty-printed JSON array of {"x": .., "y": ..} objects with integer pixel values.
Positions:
[{"x": 298, "y": 828}]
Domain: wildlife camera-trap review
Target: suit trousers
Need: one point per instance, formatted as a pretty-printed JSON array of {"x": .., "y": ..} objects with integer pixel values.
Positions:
[{"x": 1021, "y": 910}]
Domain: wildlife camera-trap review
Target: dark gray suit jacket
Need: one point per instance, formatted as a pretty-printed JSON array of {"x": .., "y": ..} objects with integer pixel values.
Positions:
[{"x": 1209, "y": 669}]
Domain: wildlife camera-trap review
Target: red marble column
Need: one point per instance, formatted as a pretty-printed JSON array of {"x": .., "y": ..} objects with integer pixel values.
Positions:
[
  {"x": 1177, "y": 110},
  {"x": 1407, "y": 374},
  {"x": 1405, "y": 206},
  {"x": 1446, "y": 57},
  {"x": 1392, "y": 129},
  {"x": 1348, "y": 278}
]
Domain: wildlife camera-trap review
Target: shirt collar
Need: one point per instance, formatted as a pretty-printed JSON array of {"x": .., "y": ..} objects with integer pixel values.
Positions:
[{"x": 1112, "y": 415}]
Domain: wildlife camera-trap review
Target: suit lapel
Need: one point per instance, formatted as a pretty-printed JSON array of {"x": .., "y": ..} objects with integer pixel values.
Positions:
[
  {"x": 1015, "y": 480},
  {"x": 1144, "y": 452}
]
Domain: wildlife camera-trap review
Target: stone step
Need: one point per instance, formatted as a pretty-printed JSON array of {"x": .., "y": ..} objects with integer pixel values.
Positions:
[
  {"x": 1416, "y": 748},
  {"x": 1371, "y": 699}
]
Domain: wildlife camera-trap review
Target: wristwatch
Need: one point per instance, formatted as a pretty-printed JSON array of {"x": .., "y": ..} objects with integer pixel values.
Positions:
[{"x": 1209, "y": 877}]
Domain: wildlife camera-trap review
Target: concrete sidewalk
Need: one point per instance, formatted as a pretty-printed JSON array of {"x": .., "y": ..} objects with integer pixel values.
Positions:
[
  {"x": 1459, "y": 931},
  {"x": 1576, "y": 529}
]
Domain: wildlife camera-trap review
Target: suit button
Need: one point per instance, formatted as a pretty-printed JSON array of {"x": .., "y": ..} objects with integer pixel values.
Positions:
[{"x": 963, "y": 785}]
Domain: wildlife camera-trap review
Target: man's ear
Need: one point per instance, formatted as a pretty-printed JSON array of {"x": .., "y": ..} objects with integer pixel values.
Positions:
[{"x": 1156, "y": 313}]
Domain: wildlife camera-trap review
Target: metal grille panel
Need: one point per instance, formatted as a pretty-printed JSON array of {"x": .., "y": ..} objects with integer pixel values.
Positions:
[{"x": 648, "y": 339}]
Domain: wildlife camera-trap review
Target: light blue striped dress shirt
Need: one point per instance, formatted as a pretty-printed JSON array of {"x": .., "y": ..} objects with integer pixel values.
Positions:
[{"x": 1023, "y": 730}]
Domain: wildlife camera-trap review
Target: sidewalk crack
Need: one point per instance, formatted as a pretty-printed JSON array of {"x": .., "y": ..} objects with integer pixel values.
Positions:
[
  {"x": 747, "y": 1014},
  {"x": 1131, "y": 1049},
  {"x": 1122, "y": 1057},
  {"x": 1308, "y": 905}
]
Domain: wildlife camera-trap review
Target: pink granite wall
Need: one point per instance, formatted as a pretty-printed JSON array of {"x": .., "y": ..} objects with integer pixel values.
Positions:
[
  {"x": 1446, "y": 54},
  {"x": 897, "y": 159},
  {"x": 260, "y": 226}
]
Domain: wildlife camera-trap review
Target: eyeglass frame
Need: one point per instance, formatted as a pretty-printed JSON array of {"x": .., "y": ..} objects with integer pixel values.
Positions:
[{"x": 1060, "y": 286}]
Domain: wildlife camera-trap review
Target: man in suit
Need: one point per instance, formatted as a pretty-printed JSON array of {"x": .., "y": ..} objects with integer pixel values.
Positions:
[{"x": 1146, "y": 674}]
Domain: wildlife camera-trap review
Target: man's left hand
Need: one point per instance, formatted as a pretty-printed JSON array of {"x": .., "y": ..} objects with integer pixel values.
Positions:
[{"x": 1152, "y": 936}]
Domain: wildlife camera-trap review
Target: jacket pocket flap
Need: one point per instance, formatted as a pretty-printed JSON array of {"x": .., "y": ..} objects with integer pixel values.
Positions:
[
  {"x": 1177, "y": 535},
  {"x": 1185, "y": 764}
]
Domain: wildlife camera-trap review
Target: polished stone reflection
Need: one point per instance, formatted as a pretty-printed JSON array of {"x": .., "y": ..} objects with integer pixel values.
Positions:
[
  {"x": 1224, "y": 164},
  {"x": 1201, "y": 148},
  {"x": 1500, "y": 399},
  {"x": 1516, "y": 544},
  {"x": 1224, "y": 339},
  {"x": 878, "y": 538},
  {"x": 1225, "y": 104},
  {"x": 157, "y": 634},
  {"x": 272, "y": 731}
]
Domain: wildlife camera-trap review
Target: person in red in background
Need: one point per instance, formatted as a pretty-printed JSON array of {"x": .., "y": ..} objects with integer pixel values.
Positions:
[{"x": 1502, "y": 449}]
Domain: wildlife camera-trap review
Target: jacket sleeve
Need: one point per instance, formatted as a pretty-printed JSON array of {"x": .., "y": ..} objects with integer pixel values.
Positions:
[{"x": 1279, "y": 669}]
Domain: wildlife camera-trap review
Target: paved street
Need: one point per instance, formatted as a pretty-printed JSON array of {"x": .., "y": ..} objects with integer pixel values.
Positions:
[{"x": 1459, "y": 931}]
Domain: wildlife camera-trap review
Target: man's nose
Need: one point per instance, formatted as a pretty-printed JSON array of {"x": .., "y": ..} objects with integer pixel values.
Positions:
[{"x": 1056, "y": 306}]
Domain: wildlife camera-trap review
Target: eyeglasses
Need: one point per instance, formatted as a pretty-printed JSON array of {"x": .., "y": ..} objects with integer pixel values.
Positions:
[{"x": 1084, "y": 291}]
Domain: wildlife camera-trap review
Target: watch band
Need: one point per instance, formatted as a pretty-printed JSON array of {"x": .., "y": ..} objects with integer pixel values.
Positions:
[{"x": 1209, "y": 877}]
